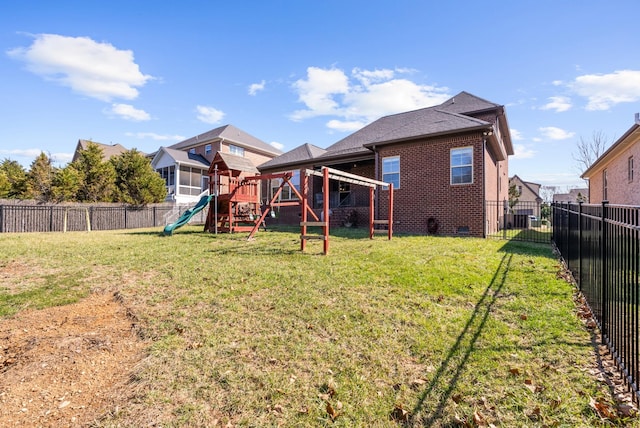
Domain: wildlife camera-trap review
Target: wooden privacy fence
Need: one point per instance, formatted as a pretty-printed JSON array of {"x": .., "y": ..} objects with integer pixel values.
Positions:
[{"x": 63, "y": 218}]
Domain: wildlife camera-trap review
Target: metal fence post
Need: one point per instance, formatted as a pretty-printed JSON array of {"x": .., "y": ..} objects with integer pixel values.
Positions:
[
  {"x": 504, "y": 220},
  {"x": 603, "y": 272},
  {"x": 580, "y": 245}
]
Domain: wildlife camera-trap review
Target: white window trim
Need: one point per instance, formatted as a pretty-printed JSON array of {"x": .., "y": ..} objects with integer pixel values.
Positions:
[
  {"x": 451, "y": 167},
  {"x": 388, "y": 173}
]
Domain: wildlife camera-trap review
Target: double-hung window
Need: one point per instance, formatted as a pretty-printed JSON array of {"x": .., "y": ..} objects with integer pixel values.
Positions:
[
  {"x": 391, "y": 171},
  {"x": 236, "y": 150},
  {"x": 462, "y": 165}
]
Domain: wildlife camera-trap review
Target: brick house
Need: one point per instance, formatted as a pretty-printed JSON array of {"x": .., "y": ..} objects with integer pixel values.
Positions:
[
  {"x": 612, "y": 177},
  {"x": 445, "y": 163},
  {"x": 185, "y": 165}
]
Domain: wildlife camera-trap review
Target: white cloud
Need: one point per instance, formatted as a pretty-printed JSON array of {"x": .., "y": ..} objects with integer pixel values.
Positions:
[
  {"x": 27, "y": 156},
  {"x": 154, "y": 136},
  {"x": 27, "y": 153},
  {"x": 129, "y": 112},
  {"x": 363, "y": 97},
  {"x": 559, "y": 104},
  {"x": 553, "y": 133},
  {"x": 345, "y": 126},
  {"x": 522, "y": 152},
  {"x": 318, "y": 90},
  {"x": 516, "y": 135},
  {"x": 557, "y": 83},
  {"x": 97, "y": 70},
  {"x": 254, "y": 88},
  {"x": 278, "y": 146},
  {"x": 603, "y": 91},
  {"x": 209, "y": 114},
  {"x": 61, "y": 158}
]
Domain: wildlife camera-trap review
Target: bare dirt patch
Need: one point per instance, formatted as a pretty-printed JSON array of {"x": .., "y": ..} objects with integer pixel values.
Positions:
[{"x": 66, "y": 365}]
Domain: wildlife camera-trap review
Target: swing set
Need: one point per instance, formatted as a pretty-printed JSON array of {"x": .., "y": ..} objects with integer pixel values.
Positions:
[{"x": 240, "y": 207}]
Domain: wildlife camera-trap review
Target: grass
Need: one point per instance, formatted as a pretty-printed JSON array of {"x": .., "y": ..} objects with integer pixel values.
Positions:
[{"x": 417, "y": 331}]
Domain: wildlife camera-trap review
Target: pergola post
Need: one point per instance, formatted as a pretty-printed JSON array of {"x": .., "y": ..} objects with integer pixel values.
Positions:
[
  {"x": 325, "y": 207},
  {"x": 371, "y": 212},
  {"x": 303, "y": 230},
  {"x": 390, "y": 210}
]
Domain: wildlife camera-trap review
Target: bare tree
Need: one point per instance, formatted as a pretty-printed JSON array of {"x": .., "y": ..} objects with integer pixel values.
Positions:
[{"x": 590, "y": 150}]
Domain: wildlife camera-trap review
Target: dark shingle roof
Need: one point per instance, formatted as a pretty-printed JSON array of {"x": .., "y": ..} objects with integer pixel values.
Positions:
[
  {"x": 108, "y": 151},
  {"x": 453, "y": 116},
  {"x": 228, "y": 133},
  {"x": 298, "y": 155},
  {"x": 466, "y": 103},
  {"x": 185, "y": 158}
]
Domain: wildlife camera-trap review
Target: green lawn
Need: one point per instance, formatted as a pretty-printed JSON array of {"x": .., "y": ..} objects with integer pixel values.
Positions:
[{"x": 417, "y": 331}]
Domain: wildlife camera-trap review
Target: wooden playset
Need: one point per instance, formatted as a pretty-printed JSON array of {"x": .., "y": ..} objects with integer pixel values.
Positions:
[{"x": 235, "y": 206}]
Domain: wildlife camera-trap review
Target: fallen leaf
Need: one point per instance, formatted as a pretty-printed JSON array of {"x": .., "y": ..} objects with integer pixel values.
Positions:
[
  {"x": 399, "y": 414},
  {"x": 523, "y": 317},
  {"x": 514, "y": 371},
  {"x": 417, "y": 383},
  {"x": 457, "y": 398},
  {"x": 331, "y": 411},
  {"x": 603, "y": 409},
  {"x": 479, "y": 419},
  {"x": 627, "y": 410}
]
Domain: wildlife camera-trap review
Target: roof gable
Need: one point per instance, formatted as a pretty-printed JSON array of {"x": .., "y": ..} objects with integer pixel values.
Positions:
[
  {"x": 181, "y": 157},
  {"x": 467, "y": 103},
  {"x": 298, "y": 155},
  {"x": 108, "y": 151},
  {"x": 228, "y": 133}
]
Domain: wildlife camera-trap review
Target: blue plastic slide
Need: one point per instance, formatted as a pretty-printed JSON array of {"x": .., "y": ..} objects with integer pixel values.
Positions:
[{"x": 186, "y": 216}]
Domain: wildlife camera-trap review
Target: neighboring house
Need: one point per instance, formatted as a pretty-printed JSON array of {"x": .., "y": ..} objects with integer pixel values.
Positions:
[
  {"x": 574, "y": 196},
  {"x": 184, "y": 173},
  {"x": 445, "y": 162},
  {"x": 108, "y": 151},
  {"x": 185, "y": 165},
  {"x": 528, "y": 200},
  {"x": 613, "y": 176}
]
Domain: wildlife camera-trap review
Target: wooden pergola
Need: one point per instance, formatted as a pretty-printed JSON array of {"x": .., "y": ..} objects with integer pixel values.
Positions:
[{"x": 327, "y": 174}]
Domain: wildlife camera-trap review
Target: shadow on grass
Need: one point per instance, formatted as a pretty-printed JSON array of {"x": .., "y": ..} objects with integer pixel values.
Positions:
[
  {"x": 432, "y": 402},
  {"x": 528, "y": 248}
]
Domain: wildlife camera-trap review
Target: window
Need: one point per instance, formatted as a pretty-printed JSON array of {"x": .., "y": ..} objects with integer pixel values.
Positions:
[
  {"x": 207, "y": 149},
  {"x": 235, "y": 150},
  {"x": 168, "y": 173},
  {"x": 391, "y": 171},
  {"x": 462, "y": 165},
  {"x": 192, "y": 151},
  {"x": 630, "y": 168},
  {"x": 287, "y": 193},
  {"x": 190, "y": 181},
  {"x": 604, "y": 185}
]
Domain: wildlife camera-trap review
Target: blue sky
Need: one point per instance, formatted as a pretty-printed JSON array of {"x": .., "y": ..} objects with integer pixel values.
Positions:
[{"x": 147, "y": 74}]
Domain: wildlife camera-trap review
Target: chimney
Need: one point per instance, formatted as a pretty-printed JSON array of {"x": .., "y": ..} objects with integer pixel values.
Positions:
[{"x": 637, "y": 121}]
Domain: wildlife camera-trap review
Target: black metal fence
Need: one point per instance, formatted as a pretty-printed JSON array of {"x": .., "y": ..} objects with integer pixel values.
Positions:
[
  {"x": 520, "y": 221},
  {"x": 63, "y": 218},
  {"x": 601, "y": 247}
]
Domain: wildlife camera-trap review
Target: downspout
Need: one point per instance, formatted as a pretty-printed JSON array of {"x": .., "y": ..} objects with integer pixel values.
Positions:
[{"x": 484, "y": 184}]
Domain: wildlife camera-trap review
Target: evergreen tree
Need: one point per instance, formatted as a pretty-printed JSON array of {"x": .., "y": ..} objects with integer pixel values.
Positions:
[
  {"x": 5, "y": 186},
  {"x": 136, "y": 181},
  {"x": 40, "y": 178},
  {"x": 17, "y": 178},
  {"x": 97, "y": 182},
  {"x": 66, "y": 184}
]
